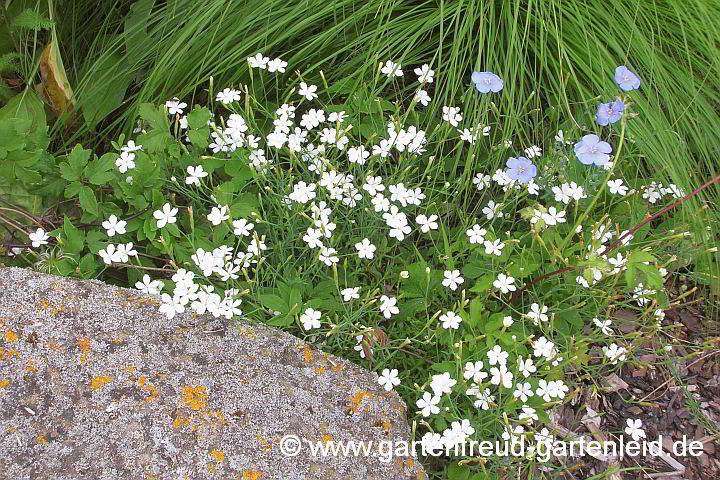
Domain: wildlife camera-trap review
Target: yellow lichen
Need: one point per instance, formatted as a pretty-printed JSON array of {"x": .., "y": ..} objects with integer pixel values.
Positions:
[
  {"x": 319, "y": 370},
  {"x": 31, "y": 366},
  {"x": 357, "y": 399},
  {"x": 327, "y": 438},
  {"x": 99, "y": 382},
  {"x": 307, "y": 354},
  {"x": 41, "y": 439},
  {"x": 83, "y": 345},
  {"x": 10, "y": 336},
  {"x": 4, "y": 383},
  {"x": 195, "y": 397},
  {"x": 218, "y": 455},
  {"x": 252, "y": 475},
  {"x": 180, "y": 421}
]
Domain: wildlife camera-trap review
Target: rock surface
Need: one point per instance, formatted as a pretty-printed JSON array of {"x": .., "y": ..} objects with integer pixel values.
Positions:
[{"x": 96, "y": 384}]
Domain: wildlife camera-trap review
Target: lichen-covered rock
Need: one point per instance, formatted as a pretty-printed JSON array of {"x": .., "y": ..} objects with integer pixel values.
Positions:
[{"x": 96, "y": 384}]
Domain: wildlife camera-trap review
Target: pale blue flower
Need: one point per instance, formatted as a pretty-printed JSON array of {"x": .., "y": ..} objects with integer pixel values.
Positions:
[
  {"x": 590, "y": 150},
  {"x": 521, "y": 169},
  {"x": 626, "y": 79},
  {"x": 487, "y": 82},
  {"x": 608, "y": 113}
]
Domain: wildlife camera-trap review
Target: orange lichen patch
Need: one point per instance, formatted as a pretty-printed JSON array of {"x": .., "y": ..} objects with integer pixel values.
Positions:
[
  {"x": 56, "y": 286},
  {"x": 327, "y": 438},
  {"x": 319, "y": 370},
  {"x": 7, "y": 353},
  {"x": 4, "y": 383},
  {"x": 41, "y": 439},
  {"x": 252, "y": 475},
  {"x": 195, "y": 397},
  {"x": 83, "y": 345},
  {"x": 218, "y": 455},
  {"x": 31, "y": 366},
  {"x": 142, "y": 300},
  {"x": 142, "y": 381},
  {"x": 386, "y": 424},
  {"x": 83, "y": 358},
  {"x": 130, "y": 368},
  {"x": 99, "y": 382},
  {"x": 307, "y": 354},
  {"x": 10, "y": 336},
  {"x": 49, "y": 307},
  {"x": 117, "y": 340},
  {"x": 357, "y": 399},
  {"x": 180, "y": 421},
  {"x": 338, "y": 367}
]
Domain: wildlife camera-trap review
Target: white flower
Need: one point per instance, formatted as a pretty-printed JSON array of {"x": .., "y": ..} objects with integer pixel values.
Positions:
[
  {"x": 450, "y": 320},
  {"x": 310, "y": 319},
  {"x": 388, "y": 306},
  {"x": 508, "y": 321},
  {"x": 218, "y": 215},
  {"x": 475, "y": 371},
  {"x": 131, "y": 147},
  {"x": 494, "y": 248},
  {"x": 228, "y": 96},
  {"x": 428, "y": 404},
  {"x": 313, "y": 238},
  {"x": 528, "y": 413},
  {"x": 616, "y": 187},
  {"x": 276, "y": 65},
  {"x": 125, "y": 162},
  {"x": 537, "y": 313},
  {"x": 389, "y": 378},
  {"x": 481, "y": 181},
  {"x": 476, "y": 234},
  {"x": 442, "y": 383},
  {"x": 165, "y": 216},
  {"x": 501, "y": 376},
  {"x": 422, "y": 97},
  {"x": 523, "y": 391},
  {"x": 242, "y": 227},
  {"x": 307, "y": 91},
  {"x": 113, "y": 226},
  {"x": 195, "y": 174},
  {"x": 175, "y": 106},
  {"x": 350, "y": 293},
  {"x": 171, "y": 306},
  {"x": 425, "y": 74},
  {"x": 358, "y": 155},
  {"x": 526, "y": 367},
  {"x": 543, "y": 391},
  {"x": 484, "y": 399},
  {"x": 603, "y": 325},
  {"x": 328, "y": 257},
  {"x": 427, "y": 223},
  {"x": 124, "y": 252},
  {"x": 553, "y": 217},
  {"x": 634, "y": 429},
  {"x": 497, "y": 356},
  {"x": 492, "y": 210},
  {"x": 505, "y": 283},
  {"x": 336, "y": 117},
  {"x": 258, "y": 61},
  {"x": 380, "y": 203},
  {"x": 543, "y": 348},
  {"x": 365, "y": 249},
  {"x": 615, "y": 353},
  {"x": 373, "y": 185},
  {"x": 452, "y": 279},
  {"x": 533, "y": 151},
  {"x": 147, "y": 285},
  {"x": 391, "y": 69},
  {"x": 452, "y": 115},
  {"x": 39, "y": 237}
]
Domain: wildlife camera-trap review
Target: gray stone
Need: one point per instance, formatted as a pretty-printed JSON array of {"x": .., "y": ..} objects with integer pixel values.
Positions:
[{"x": 96, "y": 384}]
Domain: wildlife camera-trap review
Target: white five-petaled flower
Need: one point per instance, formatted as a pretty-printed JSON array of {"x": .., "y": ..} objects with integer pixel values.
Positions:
[
  {"x": 389, "y": 379},
  {"x": 365, "y": 249},
  {"x": 616, "y": 187},
  {"x": 125, "y": 162},
  {"x": 476, "y": 234},
  {"x": 634, "y": 429},
  {"x": 171, "y": 305},
  {"x": 533, "y": 151},
  {"x": 422, "y": 97},
  {"x": 442, "y": 383},
  {"x": 175, "y": 106},
  {"x": 452, "y": 115},
  {"x": 428, "y": 404},
  {"x": 427, "y": 223},
  {"x": 505, "y": 283},
  {"x": 494, "y": 248},
  {"x": 501, "y": 376},
  {"x": 258, "y": 61},
  {"x": 452, "y": 279},
  {"x": 195, "y": 174},
  {"x": 147, "y": 285},
  {"x": 113, "y": 226},
  {"x": 425, "y": 74},
  {"x": 310, "y": 319},
  {"x": 391, "y": 69},
  {"x": 388, "y": 306},
  {"x": 276, "y": 65},
  {"x": 218, "y": 215},
  {"x": 165, "y": 216},
  {"x": 497, "y": 355},
  {"x": 307, "y": 91},
  {"x": 228, "y": 96},
  {"x": 39, "y": 237},
  {"x": 538, "y": 313},
  {"x": 241, "y": 227},
  {"x": 603, "y": 325},
  {"x": 350, "y": 293},
  {"x": 450, "y": 320}
]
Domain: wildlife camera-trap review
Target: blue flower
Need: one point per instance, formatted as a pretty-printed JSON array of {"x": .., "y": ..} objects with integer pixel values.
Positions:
[
  {"x": 591, "y": 150},
  {"x": 487, "y": 82},
  {"x": 521, "y": 169},
  {"x": 626, "y": 79},
  {"x": 609, "y": 112}
]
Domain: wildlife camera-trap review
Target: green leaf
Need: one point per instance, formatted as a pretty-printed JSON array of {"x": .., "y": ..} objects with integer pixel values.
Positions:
[
  {"x": 99, "y": 171},
  {"x": 483, "y": 284},
  {"x": 74, "y": 238},
  {"x": 109, "y": 76},
  {"x": 273, "y": 302},
  {"x": 88, "y": 201},
  {"x": 456, "y": 471}
]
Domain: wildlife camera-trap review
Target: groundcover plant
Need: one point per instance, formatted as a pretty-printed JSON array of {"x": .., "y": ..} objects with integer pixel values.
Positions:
[{"x": 369, "y": 228}]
